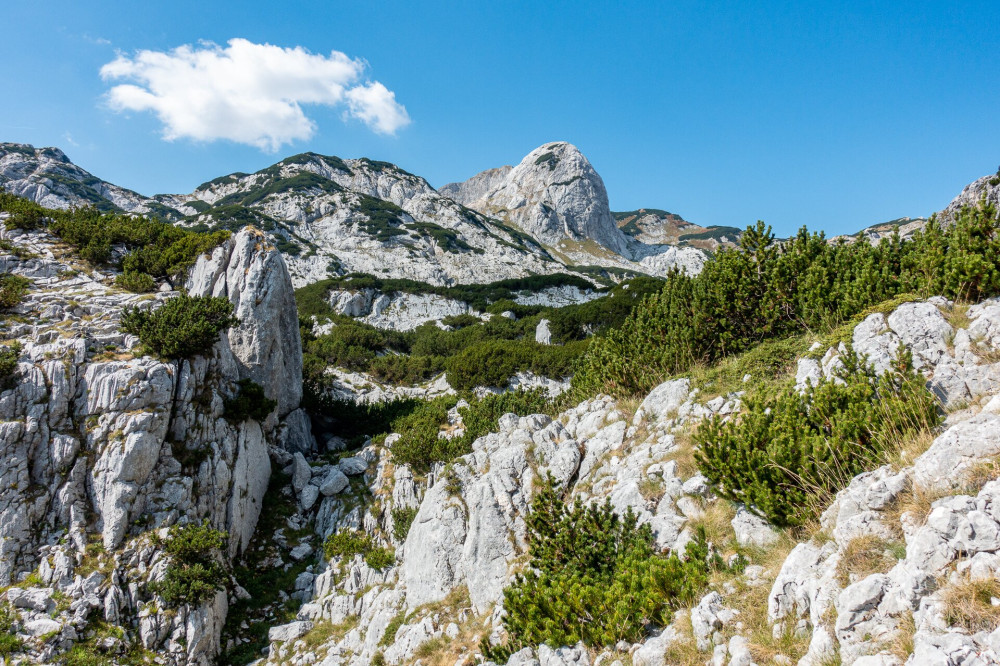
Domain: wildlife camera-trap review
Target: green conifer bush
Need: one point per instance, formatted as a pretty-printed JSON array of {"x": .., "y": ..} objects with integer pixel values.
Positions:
[
  {"x": 151, "y": 248},
  {"x": 347, "y": 543},
  {"x": 594, "y": 577},
  {"x": 249, "y": 403},
  {"x": 768, "y": 289},
  {"x": 787, "y": 454},
  {"x": 182, "y": 327},
  {"x": 420, "y": 444},
  {"x": 12, "y": 289},
  {"x": 195, "y": 572},
  {"x": 8, "y": 364}
]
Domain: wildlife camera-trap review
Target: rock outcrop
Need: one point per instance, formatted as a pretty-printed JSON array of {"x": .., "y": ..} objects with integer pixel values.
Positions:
[
  {"x": 555, "y": 195},
  {"x": 105, "y": 447},
  {"x": 467, "y": 538},
  {"x": 985, "y": 189}
]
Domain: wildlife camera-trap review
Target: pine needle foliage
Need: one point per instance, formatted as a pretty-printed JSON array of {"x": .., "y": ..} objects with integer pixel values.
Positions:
[
  {"x": 788, "y": 451},
  {"x": 595, "y": 577},
  {"x": 770, "y": 289},
  {"x": 182, "y": 327},
  {"x": 195, "y": 572},
  {"x": 250, "y": 402},
  {"x": 9, "y": 355},
  {"x": 12, "y": 289},
  {"x": 347, "y": 543},
  {"x": 421, "y": 444}
]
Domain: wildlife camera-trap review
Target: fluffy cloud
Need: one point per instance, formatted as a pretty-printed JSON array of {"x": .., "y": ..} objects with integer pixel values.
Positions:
[{"x": 246, "y": 92}]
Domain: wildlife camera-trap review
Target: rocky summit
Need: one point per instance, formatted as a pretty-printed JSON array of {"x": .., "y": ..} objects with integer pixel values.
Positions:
[
  {"x": 229, "y": 438},
  {"x": 332, "y": 216}
]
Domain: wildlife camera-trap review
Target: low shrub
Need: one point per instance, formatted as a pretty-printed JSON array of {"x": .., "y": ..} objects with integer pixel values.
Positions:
[
  {"x": 969, "y": 605},
  {"x": 481, "y": 416},
  {"x": 786, "y": 455},
  {"x": 402, "y": 520},
  {"x": 249, "y": 403},
  {"x": 494, "y": 362},
  {"x": 594, "y": 576},
  {"x": 420, "y": 444},
  {"x": 345, "y": 544},
  {"x": 182, "y": 327},
  {"x": 156, "y": 248},
  {"x": 12, "y": 289},
  {"x": 770, "y": 289},
  {"x": 139, "y": 283},
  {"x": 16, "y": 250},
  {"x": 9, "y": 641},
  {"x": 194, "y": 573},
  {"x": 8, "y": 364}
]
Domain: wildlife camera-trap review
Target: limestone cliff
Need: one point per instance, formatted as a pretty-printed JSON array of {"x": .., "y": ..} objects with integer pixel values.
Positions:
[
  {"x": 557, "y": 196},
  {"x": 104, "y": 447}
]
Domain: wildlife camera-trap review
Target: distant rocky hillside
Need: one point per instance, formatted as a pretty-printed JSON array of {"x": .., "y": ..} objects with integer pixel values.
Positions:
[
  {"x": 654, "y": 226},
  {"x": 985, "y": 189},
  {"x": 46, "y": 176},
  {"x": 333, "y": 216},
  {"x": 905, "y": 226}
]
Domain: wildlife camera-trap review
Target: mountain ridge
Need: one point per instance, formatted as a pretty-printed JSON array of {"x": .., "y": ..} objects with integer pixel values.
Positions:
[{"x": 332, "y": 216}]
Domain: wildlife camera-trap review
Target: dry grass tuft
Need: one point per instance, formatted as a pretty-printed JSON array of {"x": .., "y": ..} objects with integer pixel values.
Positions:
[
  {"x": 970, "y": 605},
  {"x": 985, "y": 352},
  {"x": 915, "y": 503},
  {"x": 865, "y": 555},
  {"x": 651, "y": 491},
  {"x": 716, "y": 521},
  {"x": 908, "y": 449},
  {"x": 901, "y": 646},
  {"x": 980, "y": 474},
  {"x": 687, "y": 466},
  {"x": 750, "y": 601},
  {"x": 457, "y": 608},
  {"x": 324, "y": 633},
  {"x": 958, "y": 316},
  {"x": 629, "y": 406}
]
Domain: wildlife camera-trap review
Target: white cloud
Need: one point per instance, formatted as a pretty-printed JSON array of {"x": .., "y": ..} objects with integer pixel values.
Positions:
[{"x": 248, "y": 93}]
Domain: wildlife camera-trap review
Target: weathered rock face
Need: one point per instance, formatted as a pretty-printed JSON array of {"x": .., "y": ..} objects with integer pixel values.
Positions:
[
  {"x": 102, "y": 442},
  {"x": 986, "y": 188},
  {"x": 251, "y": 274},
  {"x": 553, "y": 194},
  {"x": 398, "y": 311},
  {"x": 47, "y": 176}
]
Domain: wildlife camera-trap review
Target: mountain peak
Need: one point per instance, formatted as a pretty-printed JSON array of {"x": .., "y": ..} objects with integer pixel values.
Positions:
[{"x": 554, "y": 194}]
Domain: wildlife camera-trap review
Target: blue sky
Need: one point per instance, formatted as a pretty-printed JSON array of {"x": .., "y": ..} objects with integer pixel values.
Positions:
[{"x": 831, "y": 114}]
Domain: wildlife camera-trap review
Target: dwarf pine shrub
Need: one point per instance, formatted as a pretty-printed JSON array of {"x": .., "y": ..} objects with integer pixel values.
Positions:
[
  {"x": 139, "y": 283},
  {"x": 594, "y": 577},
  {"x": 347, "y": 543},
  {"x": 12, "y": 289},
  {"x": 421, "y": 445},
  {"x": 182, "y": 327},
  {"x": 195, "y": 572},
  {"x": 8, "y": 364},
  {"x": 146, "y": 246},
  {"x": 786, "y": 455},
  {"x": 249, "y": 403},
  {"x": 402, "y": 520},
  {"x": 771, "y": 289}
]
